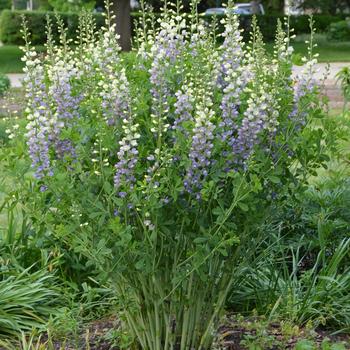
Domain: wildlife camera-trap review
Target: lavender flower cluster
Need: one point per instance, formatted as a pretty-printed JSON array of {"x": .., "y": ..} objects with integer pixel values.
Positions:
[
  {"x": 259, "y": 116},
  {"x": 200, "y": 150},
  {"x": 65, "y": 105},
  {"x": 127, "y": 158},
  {"x": 183, "y": 107},
  {"x": 113, "y": 85},
  {"x": 305, "y": 83},
  {"x": 39, "y": 115},
  {"x": 223, "y": 100},
  {"x": 167, "y": 48},
  {"x": 233, "y": 78}
]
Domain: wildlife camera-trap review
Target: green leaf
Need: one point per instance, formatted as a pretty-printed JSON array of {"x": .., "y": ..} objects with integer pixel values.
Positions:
[
  {"x": 338, "y": 346},
  {"x": 274, "y": 179},
  {"x": 108, "y": 187},
  {"x": 305, "y": 345},
  {"x": 139, "y": 265},
  {"x": 200, "y": 240},
  {"x": 243, "y": 206},
  {"x": 217, "y": 211}
]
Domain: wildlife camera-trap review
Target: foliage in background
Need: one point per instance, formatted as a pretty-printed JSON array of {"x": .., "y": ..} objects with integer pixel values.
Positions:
[
  {"x": 321, "y": 214},
  {"x": 72, "y": 5},
  {"x": 10, "y": 58},
  {"x": 343, "y": 77},
  {"x": 331, "y": 7},
  {"x": 4, "y": 84},
  {"x": 5, "y": 4},
  {"x": 299, "y": 23},
  {"x": 10, "y": 24},
  {"x": 339, "y": 31}
]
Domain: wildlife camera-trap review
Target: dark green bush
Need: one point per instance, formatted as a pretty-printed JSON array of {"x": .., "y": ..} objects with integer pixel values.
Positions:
[
  {"x": 339, "y": 31},
  {"x": 11, "y": 23},
  {"x": 300, "y": 24},
  {"x": 5, "y": 4}
]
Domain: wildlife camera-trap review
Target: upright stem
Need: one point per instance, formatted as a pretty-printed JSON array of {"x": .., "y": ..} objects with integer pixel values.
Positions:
[
  {"x": 186, "y": 315},
  {"x": 218, "y": 307},
  {"x": 158, "y": 330}
]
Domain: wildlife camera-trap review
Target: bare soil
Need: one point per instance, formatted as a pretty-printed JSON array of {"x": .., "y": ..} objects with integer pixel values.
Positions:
[{"x": 230, "y": 336}]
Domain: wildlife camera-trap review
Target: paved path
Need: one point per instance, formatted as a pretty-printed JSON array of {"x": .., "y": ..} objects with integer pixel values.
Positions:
[
  {"x": 332, "y": 87},
  {"x": 16, "y": 79},
  {"x": 334, "y": 68}
]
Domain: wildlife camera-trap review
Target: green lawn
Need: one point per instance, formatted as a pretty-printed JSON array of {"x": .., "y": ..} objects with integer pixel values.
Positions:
[
  {"x": 328, "y": 51},
  {"x": 10, "y": 59}
]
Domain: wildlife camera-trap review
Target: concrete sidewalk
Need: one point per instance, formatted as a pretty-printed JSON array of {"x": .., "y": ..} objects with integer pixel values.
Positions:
[
  {"x": 334, "y": 68},
  {"x": 16, "y": 79}
]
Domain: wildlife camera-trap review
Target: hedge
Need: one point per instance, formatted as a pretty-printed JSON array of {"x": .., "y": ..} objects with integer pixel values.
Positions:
[
  {"x": 339, "y": 31},
  {"x": 300, "y": 23},
  {"x": 10, "y": 24}
]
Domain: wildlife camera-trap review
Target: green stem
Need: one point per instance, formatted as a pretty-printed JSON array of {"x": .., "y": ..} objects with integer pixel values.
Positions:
[
  {"x": 134, "y": 329},
  {"x": 166, "y": 315},
  {"x": 206, "y": 338},
  {"x": 158, "y": 329},
  {"x": 186, "y": 315}
]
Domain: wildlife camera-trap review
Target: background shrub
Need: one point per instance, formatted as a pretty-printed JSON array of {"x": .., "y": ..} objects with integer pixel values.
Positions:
[
  {"x": 300, "y": 24},
  {"x": 5, "y": 4},
  {"x": 4, "y": 84},
  {"x": 339, "y": 31},
  {"x": 11, "y": 22}
]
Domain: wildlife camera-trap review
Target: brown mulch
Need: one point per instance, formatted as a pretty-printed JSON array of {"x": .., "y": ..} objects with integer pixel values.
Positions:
[
  {"x": 94, "y": 335},
  {"x": 231, "y": 334}
]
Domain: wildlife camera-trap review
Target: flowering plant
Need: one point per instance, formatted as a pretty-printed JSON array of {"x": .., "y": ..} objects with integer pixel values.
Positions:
[{"x": 161, "y": 168}]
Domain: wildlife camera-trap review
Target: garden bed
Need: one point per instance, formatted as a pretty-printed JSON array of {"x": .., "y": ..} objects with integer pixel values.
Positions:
[
  {"x": 234, "y": 334},
  {"x": 179, "y": 184}
]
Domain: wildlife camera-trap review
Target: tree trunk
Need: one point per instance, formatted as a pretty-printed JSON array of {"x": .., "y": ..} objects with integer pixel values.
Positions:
[{"x": 121, "y": 9}]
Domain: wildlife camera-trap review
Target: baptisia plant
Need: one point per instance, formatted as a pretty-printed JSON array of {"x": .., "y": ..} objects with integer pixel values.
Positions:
[{"x": 160, "y": 165}]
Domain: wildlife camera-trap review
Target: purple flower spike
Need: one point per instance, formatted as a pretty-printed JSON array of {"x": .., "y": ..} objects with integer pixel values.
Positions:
[{"x": 200, "y": 151}]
